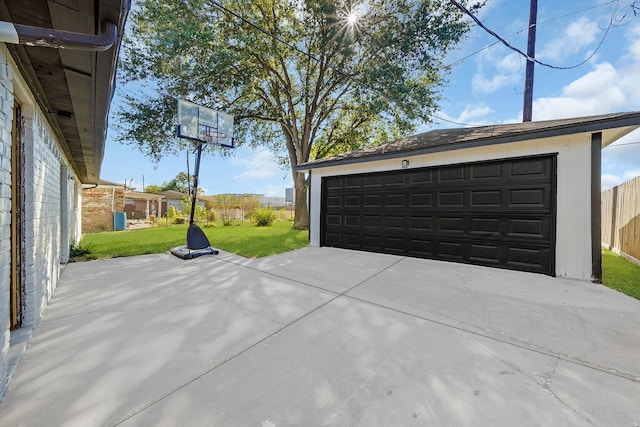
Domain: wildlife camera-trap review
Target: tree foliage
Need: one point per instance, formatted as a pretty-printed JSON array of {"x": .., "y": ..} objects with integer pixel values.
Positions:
[
  {"x": 155, "y": 189},
  {"x": 180, "y": 183},
  {"x": 313, "y": 86}
]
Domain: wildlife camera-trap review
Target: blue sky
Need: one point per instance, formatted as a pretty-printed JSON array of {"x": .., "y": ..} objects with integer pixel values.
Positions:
[{"x": 485, "y": 87}]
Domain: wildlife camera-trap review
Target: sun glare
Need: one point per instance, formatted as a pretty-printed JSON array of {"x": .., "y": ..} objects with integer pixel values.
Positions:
[{"x": 352, "y": 18}]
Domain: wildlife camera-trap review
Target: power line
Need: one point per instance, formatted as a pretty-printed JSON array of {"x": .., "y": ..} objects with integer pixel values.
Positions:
[
  {"x": 520, "y": 52},
  {"x": 525, "y": 29},
  {"x": 217, "y": 4},
  {"x": 313, "y": 58}
]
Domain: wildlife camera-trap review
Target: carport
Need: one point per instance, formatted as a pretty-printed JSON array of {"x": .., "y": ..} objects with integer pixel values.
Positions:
[{"x": 522, "y": 196}]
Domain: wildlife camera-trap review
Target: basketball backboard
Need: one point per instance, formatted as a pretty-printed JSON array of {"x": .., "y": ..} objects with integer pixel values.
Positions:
[{"x": 203, "y": 124}]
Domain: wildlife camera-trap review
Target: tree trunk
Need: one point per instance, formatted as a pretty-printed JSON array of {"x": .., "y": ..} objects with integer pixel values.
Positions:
[{"x": 301, "y": 220}]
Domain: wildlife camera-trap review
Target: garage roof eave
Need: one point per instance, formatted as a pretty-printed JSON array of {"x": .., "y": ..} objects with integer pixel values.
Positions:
[{"x": 440, "y": 140}]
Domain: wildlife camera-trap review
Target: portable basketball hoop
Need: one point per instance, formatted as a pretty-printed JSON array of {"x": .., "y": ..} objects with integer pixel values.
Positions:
[{"x": 204, "y": 126}]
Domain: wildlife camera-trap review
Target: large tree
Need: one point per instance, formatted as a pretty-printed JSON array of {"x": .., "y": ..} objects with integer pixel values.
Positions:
[{"x": 309, "y": 78}]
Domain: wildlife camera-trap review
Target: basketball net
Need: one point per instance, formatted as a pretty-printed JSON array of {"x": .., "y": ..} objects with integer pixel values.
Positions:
[{"x": 213, "y": 136}]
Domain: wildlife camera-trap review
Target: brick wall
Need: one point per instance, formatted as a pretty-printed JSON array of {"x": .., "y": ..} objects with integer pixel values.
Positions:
[
  {"x": 6, "y": 116},
  {"x": 43, "y": 216},
  {"x": 51, "y": 207},
  {"x": 98, "y": 205}
]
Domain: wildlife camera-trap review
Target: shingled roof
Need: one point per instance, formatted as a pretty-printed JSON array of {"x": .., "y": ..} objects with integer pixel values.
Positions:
[{"x": 613, "y": 126}]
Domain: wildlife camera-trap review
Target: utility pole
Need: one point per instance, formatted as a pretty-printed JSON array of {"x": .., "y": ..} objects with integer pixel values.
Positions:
[{"x": 531, "y": 53}]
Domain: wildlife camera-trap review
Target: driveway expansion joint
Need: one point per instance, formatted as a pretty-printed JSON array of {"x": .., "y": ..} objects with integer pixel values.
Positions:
[{"x": 261, "y": 340}]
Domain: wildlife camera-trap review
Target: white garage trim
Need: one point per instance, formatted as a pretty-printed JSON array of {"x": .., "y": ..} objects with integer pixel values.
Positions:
[{"x": 573, "y": 255}]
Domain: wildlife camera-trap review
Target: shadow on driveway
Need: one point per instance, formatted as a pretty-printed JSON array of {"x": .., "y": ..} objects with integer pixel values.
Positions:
[{"x": 324, "y": 336}]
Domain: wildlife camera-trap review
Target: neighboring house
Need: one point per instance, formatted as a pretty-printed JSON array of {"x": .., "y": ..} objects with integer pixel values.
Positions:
[
  {"x": 177, "y": 200},
  {"x": 54, "y": 104},
  {"x": 522, "y": 196},
  {"x": 172, "y": 198},
  {"x": 139, "y": 205},
  {"x": 99, "y": 204}
]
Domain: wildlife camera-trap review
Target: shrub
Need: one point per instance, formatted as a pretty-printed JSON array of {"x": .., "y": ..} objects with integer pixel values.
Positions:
[
  {"x": 171, "y": 214},
  {"x": 212, "y": 215},
  {"x": 179, "y": 220},
  {"x": 78, "y": 253},
  {"x": 263, "y": 217}
]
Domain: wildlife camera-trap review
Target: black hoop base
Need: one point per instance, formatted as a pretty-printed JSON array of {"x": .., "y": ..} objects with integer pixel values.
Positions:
[{"x": 183, "y": 252}]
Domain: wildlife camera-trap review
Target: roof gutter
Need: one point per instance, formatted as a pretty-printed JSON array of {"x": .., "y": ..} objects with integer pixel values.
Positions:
[{"x": 45, "y": 37}]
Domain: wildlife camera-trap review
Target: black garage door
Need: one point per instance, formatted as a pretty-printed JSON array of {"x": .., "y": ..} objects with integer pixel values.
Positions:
[{"x": 497, "y": 213}]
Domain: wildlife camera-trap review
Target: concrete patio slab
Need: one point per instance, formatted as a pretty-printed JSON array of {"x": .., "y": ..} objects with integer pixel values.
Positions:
[{"x": 325, "y": 336}]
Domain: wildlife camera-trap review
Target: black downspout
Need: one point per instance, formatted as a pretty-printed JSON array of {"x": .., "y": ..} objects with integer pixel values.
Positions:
[
  {"x": 596, "y": 206},
  {"x": 46, "y": 37}
]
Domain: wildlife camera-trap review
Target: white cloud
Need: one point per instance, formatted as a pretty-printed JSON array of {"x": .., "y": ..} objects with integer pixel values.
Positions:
[
  {"x": 262, "y": 165},
  {"x": 473, "y": 112},
  {"x": 630, "y": 174},
  {"x": 633, "y": 36},
  {"x": 578, "y": 35},
  {"x": 510, "y": 64},
  {"x": 483, "y": 84},
  {"x": 621, "y": 160},
  {"x": 608, "y": 181},
  {"x": 494, "y": 73},
  {"x": 597, "y": 92},
  {"x": 472, "y": 115}
]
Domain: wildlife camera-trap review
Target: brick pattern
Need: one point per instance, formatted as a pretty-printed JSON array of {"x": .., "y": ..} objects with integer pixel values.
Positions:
[
  {"x": 51, "y": 210},
  {"x": 6, "y": 116},
  {"x": 43, "y": 220},
  {"x": 98, "y": 205}
]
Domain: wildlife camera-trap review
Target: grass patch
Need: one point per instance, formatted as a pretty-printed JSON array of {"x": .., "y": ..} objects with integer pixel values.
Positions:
[
  {"x": 620, "y": 274},
  {"x": 243, "y": 239}
]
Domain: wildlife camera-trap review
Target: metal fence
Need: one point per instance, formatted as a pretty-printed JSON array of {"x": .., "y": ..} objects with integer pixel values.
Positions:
[{"x": 621, "y": 219}]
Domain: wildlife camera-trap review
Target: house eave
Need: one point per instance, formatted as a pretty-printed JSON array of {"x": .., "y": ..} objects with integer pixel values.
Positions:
[{"x": 73, "y": 88}]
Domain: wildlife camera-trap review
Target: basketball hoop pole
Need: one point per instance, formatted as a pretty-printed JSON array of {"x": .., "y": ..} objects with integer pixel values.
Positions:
[{"x": 196, "y": 172}]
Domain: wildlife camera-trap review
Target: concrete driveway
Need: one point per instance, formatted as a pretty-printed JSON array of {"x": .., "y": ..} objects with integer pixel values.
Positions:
[{"x": 326, "y": 337}]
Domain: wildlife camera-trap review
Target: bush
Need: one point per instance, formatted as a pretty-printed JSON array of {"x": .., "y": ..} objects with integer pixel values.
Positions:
[
  {"x": 263, "y": 217},
  {"x": 179, "y": 220},
  {"x": 78, "y": 253}
]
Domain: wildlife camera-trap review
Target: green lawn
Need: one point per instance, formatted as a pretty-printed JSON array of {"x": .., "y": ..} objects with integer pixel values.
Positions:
[
  {"x": 244, "y": 239},
  {"x": 620, "y": 274}
]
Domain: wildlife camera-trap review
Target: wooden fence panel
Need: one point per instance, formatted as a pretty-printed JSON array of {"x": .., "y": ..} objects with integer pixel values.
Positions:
[{"x": 621, "y": 218}]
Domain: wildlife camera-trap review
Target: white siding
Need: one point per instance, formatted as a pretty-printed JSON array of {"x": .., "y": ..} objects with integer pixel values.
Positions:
[{"x": 573, "y": 221}]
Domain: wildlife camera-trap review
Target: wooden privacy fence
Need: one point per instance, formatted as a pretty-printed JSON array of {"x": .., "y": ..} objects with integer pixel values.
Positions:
[{"x": 621, "y": 218}]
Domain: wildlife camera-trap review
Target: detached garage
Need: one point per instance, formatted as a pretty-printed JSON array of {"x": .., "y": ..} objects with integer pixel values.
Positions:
[{"x": 522, "y": 196}]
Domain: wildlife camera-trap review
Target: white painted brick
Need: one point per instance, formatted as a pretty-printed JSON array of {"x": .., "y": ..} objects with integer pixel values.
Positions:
[
  {"x": 5, "y": 215},
  {"x": 45, "y": 244}
]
